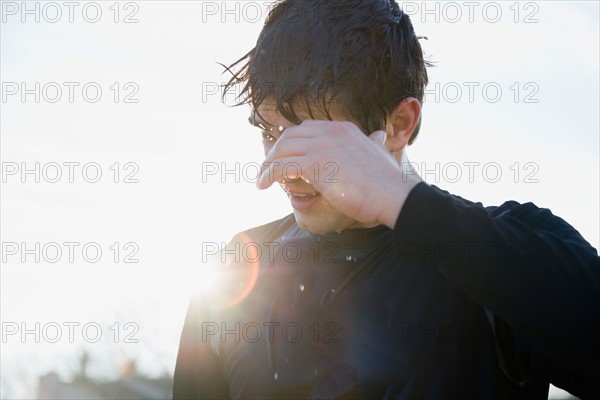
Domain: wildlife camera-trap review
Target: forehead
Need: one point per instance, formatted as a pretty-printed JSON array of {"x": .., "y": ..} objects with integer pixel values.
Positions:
[
  {"x": 267, "y": 112},
  {"x": 265, "y": 115}
]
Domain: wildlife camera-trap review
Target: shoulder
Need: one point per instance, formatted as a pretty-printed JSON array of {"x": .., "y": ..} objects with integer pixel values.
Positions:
[
  {"x": 538, "y": 218},
  {"x": 535, "y": 217}
]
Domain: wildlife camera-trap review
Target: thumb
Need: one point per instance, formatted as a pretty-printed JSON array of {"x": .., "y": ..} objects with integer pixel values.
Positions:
[{"x": 378, "y": 137}]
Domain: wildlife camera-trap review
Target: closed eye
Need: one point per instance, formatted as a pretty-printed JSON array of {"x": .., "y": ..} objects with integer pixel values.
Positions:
[
  {"x": 265, "y": 132},
  {"x": 267, "y": 135}
]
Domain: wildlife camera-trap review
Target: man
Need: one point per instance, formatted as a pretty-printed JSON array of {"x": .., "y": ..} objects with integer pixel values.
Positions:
[{"x": 379, "y": 285}]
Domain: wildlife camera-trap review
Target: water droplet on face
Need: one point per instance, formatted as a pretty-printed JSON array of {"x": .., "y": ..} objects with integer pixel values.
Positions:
[
  {"x": 301, "y": 287},
  {"x": 348, "y": 258},
  {"x": 332, "y": 290},
  {"x": 280, "y": 128},
  {"x": 275, "y": 376}
]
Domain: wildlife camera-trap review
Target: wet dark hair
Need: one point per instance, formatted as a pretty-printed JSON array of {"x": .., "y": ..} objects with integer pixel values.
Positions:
[{"x": 361, "y": 54}]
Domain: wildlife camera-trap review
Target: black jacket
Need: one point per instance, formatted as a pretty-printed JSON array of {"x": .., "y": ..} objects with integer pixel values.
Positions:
[{"x": 458, "y": 301}]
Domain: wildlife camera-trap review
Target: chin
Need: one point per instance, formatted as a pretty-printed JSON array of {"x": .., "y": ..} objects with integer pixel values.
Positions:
[{"x": 322, "y": 223}]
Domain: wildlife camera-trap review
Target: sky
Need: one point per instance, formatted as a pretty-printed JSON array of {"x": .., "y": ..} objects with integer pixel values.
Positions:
[{"x": 142, "y": 168}]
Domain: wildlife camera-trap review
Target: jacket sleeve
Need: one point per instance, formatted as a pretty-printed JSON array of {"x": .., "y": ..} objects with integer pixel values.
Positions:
[
  {"x": 525, "y": 265},
  {"x": 198, "y": 371}
]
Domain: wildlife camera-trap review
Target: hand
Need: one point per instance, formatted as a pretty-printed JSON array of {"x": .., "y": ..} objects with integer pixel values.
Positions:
[{"x": 368, "y": 184}]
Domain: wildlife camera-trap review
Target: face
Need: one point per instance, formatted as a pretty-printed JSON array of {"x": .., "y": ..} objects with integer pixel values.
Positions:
[{"x": 313, "y": 213}]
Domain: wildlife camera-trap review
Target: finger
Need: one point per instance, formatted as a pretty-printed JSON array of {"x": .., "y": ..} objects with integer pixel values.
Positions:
[
  {"x": 288, "y": 168},
  {"x": 285, "y": 147}
]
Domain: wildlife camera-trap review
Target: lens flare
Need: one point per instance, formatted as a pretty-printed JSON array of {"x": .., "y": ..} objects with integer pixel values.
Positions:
[{"x": 228, "y": 282}]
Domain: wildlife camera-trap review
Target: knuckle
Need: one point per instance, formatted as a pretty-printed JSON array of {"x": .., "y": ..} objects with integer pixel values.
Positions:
[{"x": 339, "y": 129}]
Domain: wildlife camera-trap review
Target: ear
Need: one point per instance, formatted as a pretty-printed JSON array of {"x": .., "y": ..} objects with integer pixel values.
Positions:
[{"x": 402, "y": 123}]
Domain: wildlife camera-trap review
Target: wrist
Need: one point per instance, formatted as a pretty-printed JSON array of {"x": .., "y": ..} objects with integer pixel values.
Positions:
[{"x": 395, "y": 200}]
